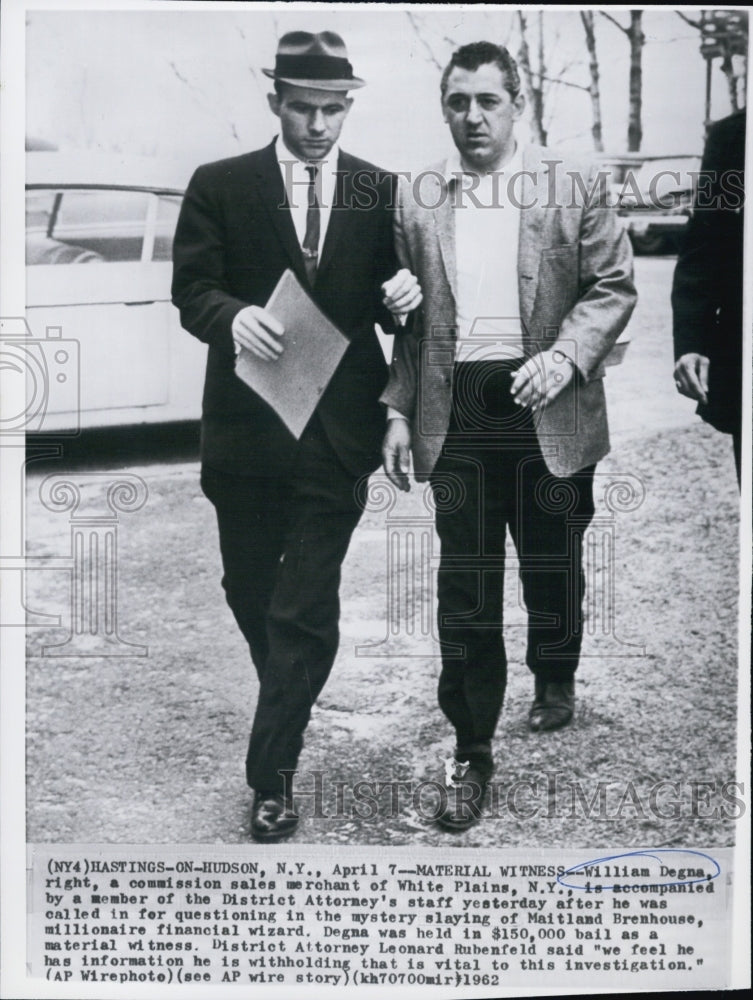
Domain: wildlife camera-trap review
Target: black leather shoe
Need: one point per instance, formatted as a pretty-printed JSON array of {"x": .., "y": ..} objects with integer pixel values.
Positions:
[
  {"x": 466, "y": 792},
  {"x": 553, "y": 705},
  {"x": 272, "y": 817}
]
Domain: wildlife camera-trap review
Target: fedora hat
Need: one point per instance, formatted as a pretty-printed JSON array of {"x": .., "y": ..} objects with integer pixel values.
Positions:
[{"x": 319, "y": 61}]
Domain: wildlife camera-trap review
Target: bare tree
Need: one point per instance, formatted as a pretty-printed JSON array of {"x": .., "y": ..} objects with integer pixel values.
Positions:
[
  {"x": 724, "y": 34},
  {"x": 587, "y": 18},
  {"x": 634, "y": 34},
  {"x": 538, "y": 80},
  {"x": 439, "y": 46},
  {"x": 533, "y": 79}
]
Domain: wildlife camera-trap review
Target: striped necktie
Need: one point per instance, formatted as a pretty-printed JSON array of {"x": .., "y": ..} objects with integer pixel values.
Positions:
[{"x": 313, "y": 224}]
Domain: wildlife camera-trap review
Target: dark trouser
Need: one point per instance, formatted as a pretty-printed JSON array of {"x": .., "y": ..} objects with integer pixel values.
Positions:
[
  {"x": 491, "y": 477},
  {"x": 283, "y": 542},
  {"x": 725, "y": 393}
]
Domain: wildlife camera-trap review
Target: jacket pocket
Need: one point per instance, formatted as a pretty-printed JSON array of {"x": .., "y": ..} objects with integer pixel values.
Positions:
[{"x": 557, "y": 288}]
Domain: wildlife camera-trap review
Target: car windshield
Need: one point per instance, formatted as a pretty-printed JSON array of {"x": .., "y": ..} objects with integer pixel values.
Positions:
[{"x": 98, "y": 225}]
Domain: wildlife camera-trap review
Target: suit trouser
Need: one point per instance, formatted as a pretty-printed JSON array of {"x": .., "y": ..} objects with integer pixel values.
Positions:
[
  {"x": 491, "y": 478},
  {"x": 283, "y": 541}
]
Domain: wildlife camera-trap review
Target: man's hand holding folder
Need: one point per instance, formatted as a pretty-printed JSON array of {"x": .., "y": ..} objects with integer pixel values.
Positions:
[
  {"x": 258, "y": 331},
  {"x": 303, "y": 344}
]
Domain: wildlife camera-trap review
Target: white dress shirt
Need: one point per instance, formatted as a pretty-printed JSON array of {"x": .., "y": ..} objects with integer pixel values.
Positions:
[
  {"x": 295, "y": 179},
  {"x": 486, "y": 211}
]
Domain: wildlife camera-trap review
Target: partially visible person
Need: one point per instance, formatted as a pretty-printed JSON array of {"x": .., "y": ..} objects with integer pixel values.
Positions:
[{"x": 707, "y": 293}]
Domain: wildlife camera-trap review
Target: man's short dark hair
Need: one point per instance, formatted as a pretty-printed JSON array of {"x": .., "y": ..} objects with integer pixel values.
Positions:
[{"x": 481, "y": 54}]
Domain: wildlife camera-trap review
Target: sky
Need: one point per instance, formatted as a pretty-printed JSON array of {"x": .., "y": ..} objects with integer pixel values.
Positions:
[{"x": 185, "y": 83}]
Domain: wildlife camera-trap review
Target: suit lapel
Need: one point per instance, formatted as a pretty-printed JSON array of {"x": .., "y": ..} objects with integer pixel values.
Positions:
[
  {"x": 534, "y": 198},
  {"x": 271, "y": 192},
  {"x": 343, "y": 215},
  {"x": 444, "y": 221}
]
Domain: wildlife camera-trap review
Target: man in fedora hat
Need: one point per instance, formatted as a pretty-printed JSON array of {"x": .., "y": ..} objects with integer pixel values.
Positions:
[{"x": 286, "y": 508}]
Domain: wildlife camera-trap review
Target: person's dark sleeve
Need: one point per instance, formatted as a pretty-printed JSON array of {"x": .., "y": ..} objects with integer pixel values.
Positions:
[
  {"x": 200, "y": 289},
  {"x": 387, "y": 263},
  {"x": 697, "y": 280}
]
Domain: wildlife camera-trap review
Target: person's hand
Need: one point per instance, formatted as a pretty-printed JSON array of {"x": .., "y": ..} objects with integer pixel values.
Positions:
[
  {"x": 396, "y": 452},
  {"x": 259, "y": 332},
  {"x": 402, "y": 293},
  {"x": 692, "y": 377},
  {"x": 541, "y": 379}
]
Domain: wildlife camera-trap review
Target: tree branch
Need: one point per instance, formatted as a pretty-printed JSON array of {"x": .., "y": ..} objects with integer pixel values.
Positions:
[
  {"x": 421, "y": 39},
  {"x": 200, "y": 98},
  {"x": 570, "y": 63},
  {"x": 615, "y": 22},
  {"x": 177, "y": 72},
  {"x": 688, "y": 20},
  {"x": 566, "y": 83},
  {"x": 252, "y": 71}
]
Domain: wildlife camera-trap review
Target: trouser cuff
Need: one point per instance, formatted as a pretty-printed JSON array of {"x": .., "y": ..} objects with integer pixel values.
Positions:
[
  {"x": 479, "y": 748},
  {"x": 556, "y": 674}
]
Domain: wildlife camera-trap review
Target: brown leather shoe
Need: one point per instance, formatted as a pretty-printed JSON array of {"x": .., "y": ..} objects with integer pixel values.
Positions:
[
  {"x": 553, "y": 705},
  {"x": 465, "y": 795},
  {"x": 272, "y": 817}
]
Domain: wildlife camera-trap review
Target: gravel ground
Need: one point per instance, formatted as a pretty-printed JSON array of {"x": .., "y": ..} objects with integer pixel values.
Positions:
[{"x": 150, "y": 749}]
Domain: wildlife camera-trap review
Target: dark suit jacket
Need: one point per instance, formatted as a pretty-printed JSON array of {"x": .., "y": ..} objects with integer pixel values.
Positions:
[
  {"x": 234, "y": 239},
  {"x": 707, "y": 293}
]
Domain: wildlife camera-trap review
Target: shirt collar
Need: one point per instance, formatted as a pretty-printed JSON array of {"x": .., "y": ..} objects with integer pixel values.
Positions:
[
  {"x": 454, "y": 166},
  {"x": 283, "y": 154}
]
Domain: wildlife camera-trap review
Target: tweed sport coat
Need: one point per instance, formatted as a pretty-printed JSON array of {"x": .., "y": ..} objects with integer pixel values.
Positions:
[{"x": 576, "y": 293}]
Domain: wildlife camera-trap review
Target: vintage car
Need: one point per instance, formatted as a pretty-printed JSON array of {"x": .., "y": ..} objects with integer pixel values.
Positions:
[
  {"x": 108, "y": 343},
  {"x": 654, "y": 197}
]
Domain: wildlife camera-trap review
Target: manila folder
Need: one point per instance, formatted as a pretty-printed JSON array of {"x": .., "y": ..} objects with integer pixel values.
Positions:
[{"x": 312, "y": 350}]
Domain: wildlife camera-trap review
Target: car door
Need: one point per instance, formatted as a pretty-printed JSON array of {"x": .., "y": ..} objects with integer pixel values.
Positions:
[{"x": 91, "y": 276}]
